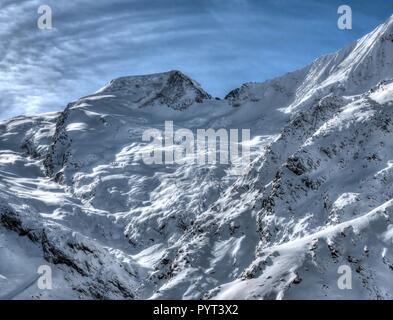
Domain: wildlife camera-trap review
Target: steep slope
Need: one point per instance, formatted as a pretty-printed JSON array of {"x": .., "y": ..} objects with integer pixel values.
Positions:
[
  {"x": 44, "y": 215},
  {"x": 326, "y": 204},
  {"x": 316, "y": 196},
  {"x": 350, "y": 71}
]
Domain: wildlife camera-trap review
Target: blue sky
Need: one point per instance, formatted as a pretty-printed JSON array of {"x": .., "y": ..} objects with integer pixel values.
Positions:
[{"x": 219, "y": 43}]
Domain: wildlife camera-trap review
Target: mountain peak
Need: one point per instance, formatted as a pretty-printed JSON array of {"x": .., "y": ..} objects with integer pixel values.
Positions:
[
  {"x": 350, "y": 71},
  {"x": 385, "y": 28},
  {"x": 172, "y": 88}
]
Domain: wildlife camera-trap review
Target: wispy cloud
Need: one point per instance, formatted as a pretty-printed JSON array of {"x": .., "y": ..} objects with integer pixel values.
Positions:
[{"x": 219, "y": 43}]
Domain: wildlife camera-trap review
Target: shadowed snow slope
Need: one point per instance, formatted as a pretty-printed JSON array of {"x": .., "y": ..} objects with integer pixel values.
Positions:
[{"x": 76, "y": 195}]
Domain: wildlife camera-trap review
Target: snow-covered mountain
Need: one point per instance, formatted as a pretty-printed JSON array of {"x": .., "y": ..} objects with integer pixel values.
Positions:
[{"x": 76, "y": 195}]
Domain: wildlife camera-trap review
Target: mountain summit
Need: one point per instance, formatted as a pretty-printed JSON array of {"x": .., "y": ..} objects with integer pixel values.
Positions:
[
  {"x": 350, "y": 71},
  {"x": 173, "y": 89}
]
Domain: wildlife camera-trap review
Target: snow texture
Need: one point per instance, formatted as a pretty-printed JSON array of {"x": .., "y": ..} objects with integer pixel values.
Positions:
[{"x": 76, "y": 195}]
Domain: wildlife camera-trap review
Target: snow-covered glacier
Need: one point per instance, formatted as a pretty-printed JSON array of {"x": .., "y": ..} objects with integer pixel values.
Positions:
[{"x": 76, "y": 195}]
